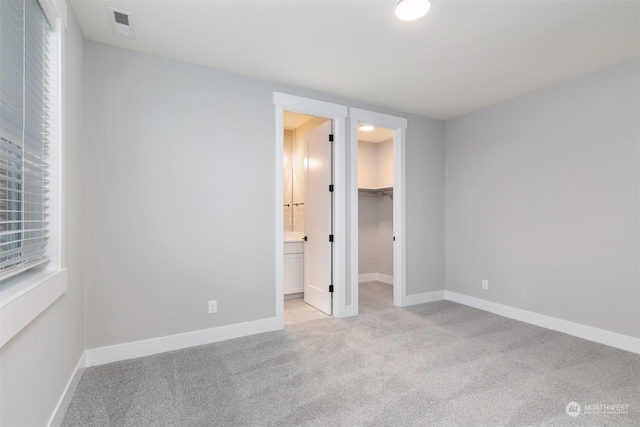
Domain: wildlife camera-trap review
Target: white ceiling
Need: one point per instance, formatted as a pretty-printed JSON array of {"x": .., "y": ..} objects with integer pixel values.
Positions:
[{"x": 464, "y": 55}]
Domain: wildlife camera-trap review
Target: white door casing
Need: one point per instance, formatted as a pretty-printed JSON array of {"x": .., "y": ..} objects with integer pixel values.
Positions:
[
  {"x": 346, "y": 194},
  {"x": 318, "y": 208},
  {"x": 399, "y": 125},
  {"x": 341, "y": 257}
]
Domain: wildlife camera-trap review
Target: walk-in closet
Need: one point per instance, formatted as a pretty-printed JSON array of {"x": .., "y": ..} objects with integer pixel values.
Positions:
[{"x": 375, "y": 205}]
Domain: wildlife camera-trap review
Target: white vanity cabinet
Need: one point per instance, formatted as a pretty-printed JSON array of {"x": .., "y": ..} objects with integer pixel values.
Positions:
[{"x": 293, "y": 267}]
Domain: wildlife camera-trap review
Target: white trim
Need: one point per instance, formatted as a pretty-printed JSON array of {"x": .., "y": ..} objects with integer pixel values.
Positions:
[
  {"x": 350, "y": 311},
  {"x": 56, "y": 164},
  {"x": 377, "y": 277},
  {"x": 399, "y": 125},
  {"x": 25, "y": 308},
  {"x": 67, "y": 395},
  {"x": 339, "y": 216},
  {"x": 425, "y": 297},
  {"x": 380, "y": 119},
  {"x": 338, "y": 114},
  {"x": 385, "y": 278},
  {"x": 367, "y": 277},
  {"x": 279, "y": 236},
  {"x": 352, "y": 259},
  {"x": 131, "y": 350},
  {"x": 309, "y": 106},
  {"x": 399, "y": 218},
  {"x": 590, "y": 333}
]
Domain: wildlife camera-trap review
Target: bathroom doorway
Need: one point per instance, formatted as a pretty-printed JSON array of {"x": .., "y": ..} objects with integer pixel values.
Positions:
[{"x": 307, "y": 216}]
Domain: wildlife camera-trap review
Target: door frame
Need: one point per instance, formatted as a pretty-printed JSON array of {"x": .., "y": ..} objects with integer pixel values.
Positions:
[
  {"x": 345, "y": 207},
  {"x": 399, "y": 126},
  {"x": 337, "y": 113}
]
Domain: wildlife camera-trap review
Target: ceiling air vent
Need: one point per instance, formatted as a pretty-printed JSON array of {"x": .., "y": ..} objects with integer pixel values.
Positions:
[{"x": 121, "y": 22}]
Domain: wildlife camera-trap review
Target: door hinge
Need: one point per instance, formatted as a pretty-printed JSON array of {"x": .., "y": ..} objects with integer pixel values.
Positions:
[
  {"x": 330, "y": 188},
  {"x": 394, "y": 238},
  {"x": 330, "y": 288},
  {"x": 330, "y": 138},
  {"x": 331, "y": 237}
]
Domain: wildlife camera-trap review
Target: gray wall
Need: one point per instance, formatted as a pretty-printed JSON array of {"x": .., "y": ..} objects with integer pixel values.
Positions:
[
  {"x": 375, "y": 212},
  {"x": 181, "y": 189},
  {"x": 36, "y": 364},
  {"x": 425, "y": 206},
  {"x": 367, "y": 234},
  {"x": 375, "y": 234},
  {"x": 542, "y": 199}
]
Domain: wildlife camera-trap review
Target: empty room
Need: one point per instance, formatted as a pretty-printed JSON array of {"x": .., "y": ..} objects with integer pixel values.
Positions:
[{"x": 319, "y": 213}]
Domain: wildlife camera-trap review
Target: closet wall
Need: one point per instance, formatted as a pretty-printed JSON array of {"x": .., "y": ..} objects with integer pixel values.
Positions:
[
  {"x": 375, "y": 164},
  {"x": 375, "y": 211}
]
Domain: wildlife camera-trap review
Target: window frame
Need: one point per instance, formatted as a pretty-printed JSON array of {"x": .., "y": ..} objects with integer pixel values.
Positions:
[{"x": 24, "y": 296}]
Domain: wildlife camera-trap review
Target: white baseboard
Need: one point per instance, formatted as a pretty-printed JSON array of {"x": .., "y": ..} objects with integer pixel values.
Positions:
[
  {"x": 378, "y": 277},
  {"x": 590, "y": 333},
  {"x": 369, "y": 277},
  {"x": 65, "y": 399},
  {"x": 424, "y": 298},
  {"x": 384, "y": 278},
  {"x": 116, "y": 353}
]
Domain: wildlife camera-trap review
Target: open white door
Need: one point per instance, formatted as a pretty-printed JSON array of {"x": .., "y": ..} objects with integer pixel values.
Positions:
[{"x": 317, "y": 252}]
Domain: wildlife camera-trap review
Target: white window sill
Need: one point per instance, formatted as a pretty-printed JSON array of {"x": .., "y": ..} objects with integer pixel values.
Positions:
[{"x": 23, "y": 302}]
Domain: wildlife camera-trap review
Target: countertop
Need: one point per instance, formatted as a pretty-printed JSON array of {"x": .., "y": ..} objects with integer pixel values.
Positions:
[{"x": 293, "y": 236}]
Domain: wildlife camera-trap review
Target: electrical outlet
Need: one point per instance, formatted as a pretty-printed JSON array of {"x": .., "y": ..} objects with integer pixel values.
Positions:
[
  {"x": 485, "y": 284},
  {"x": 213, "y": 306}
]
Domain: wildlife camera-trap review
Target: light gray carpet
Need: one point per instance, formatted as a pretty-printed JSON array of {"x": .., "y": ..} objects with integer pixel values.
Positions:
[{"x": 436, "y": 364}]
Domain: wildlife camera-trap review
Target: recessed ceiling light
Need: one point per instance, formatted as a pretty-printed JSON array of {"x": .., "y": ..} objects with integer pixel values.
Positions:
[
  {"x": 409, "y": 10},
  {"x": 366, "y": 128}
]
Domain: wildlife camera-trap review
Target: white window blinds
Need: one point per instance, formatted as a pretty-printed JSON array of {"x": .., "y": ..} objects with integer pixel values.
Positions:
[{"x": 28, "y": 127}]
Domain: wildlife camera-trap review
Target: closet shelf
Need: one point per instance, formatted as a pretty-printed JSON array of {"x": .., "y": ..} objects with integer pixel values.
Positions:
[{"x": 382, "y": 191}]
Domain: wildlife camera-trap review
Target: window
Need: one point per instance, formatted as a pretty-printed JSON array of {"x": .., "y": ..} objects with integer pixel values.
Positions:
[
  {"x": 28, "y": 134},
  {"x": 31, "y": 273}
]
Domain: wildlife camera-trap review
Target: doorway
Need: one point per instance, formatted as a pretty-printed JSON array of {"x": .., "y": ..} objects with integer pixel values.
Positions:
[
  {"x": 398, "y": 126},
  {"x": 345, "y": 199},
  {"x": 375, "y": 204},
  {"x": 308, "y": 215}
]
